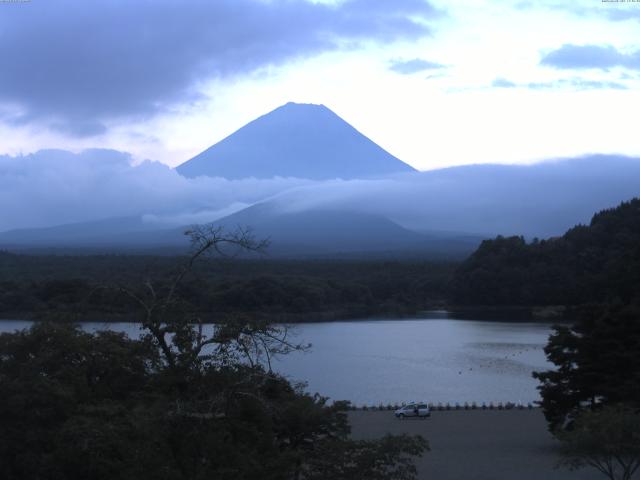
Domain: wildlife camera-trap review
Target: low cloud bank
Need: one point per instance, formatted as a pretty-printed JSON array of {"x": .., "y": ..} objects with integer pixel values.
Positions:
[
  {"x": 539, "y": 200},
  {"x": 55, "y": 187}
]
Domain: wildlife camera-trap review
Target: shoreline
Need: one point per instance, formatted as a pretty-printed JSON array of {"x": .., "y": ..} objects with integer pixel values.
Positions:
[{"x": 504, "y": 314}]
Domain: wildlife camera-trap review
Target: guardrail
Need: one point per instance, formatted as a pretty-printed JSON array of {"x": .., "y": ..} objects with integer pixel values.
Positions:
[{"x": 452, "y": 406}]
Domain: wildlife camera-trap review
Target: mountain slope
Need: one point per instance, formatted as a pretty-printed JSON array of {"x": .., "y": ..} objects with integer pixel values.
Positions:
[
  {"x": 74, "y": 233},
  {"x": 330, "y": 232},
  {"x": 291, "y": 234},
  {"x": 123, "y": 233},
  {"x": 295, "y": 140}
]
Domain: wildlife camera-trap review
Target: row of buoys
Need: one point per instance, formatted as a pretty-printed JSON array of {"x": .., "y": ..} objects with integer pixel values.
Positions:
[{"x": 455, "y": 406}]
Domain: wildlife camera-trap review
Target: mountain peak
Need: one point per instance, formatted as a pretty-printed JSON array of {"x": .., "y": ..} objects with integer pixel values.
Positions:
[
  {"x": 301, "y": 140},
  {"x": 296, "y": 112},
  {"x": 303, "y": 105}
]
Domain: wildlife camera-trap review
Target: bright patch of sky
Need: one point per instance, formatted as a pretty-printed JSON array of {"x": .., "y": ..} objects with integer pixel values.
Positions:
[{"x": 448, "y": 84}]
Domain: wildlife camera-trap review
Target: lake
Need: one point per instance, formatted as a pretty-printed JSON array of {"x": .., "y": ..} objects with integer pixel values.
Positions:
[{"x": 435, "y": 359}]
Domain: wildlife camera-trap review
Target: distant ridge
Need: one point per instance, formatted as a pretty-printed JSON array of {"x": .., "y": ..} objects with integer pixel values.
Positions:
[
  {"x": 336, "y": 232},
  {"x": 421, "y": 211},
  {"x": 295, "y": 140},
  {"x": 309, "y": 234}
]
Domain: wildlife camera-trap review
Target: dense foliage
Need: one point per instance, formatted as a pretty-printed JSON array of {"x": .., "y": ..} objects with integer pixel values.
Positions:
[
  {"x": 591, "y": 398},
  {"x": 178, "y": 403},
  {"x": 101, "y": 406},
  {"x": 597, "y": 363},
  {"x": 291, "y": 290},
  {"x": 594, "y": 263}
]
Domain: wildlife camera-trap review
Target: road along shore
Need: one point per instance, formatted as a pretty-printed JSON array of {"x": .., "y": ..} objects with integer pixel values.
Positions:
[{"x": 477, "y": 444}]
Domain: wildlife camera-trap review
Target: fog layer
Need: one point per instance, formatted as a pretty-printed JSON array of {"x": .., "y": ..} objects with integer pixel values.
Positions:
[{"x": 56, "y": 187}]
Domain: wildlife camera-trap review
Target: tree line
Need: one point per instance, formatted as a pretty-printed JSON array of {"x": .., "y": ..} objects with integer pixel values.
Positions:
[
  {"x": 591, "y": 398},
  {"x": 599, "y": 262},
  {"x": 70, "y": 287}
]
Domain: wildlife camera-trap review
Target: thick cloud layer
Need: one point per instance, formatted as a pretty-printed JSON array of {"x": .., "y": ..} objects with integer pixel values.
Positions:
[
  {"x": 54, "y": 187},
  {"x": 74, "y": 64},
  {"x": 590, "y": 56},
  {"x": 540, "y": 200}
]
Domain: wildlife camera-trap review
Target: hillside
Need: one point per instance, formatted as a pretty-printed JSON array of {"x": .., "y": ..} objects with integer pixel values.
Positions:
[
  {"x": 336, "y": 232},
  {"x": 74, "y": 234},
  {"x": 317, "y": 233},
  {"x": 295, "y": 140},
  {"x": 589, "y": 263}
]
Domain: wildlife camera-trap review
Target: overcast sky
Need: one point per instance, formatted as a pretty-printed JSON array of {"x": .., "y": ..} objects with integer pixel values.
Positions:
[{"x": 436, "y": 83}]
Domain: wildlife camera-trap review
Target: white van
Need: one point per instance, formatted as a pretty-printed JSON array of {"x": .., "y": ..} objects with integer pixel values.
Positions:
[{"x": 420, "y": 410}]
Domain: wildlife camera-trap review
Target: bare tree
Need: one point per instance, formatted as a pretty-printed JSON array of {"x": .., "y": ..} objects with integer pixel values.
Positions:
[{"x": 180, "y": 334}]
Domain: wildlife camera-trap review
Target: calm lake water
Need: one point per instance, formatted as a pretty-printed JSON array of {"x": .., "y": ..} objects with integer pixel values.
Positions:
[{"x": 388, "y": 361}]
